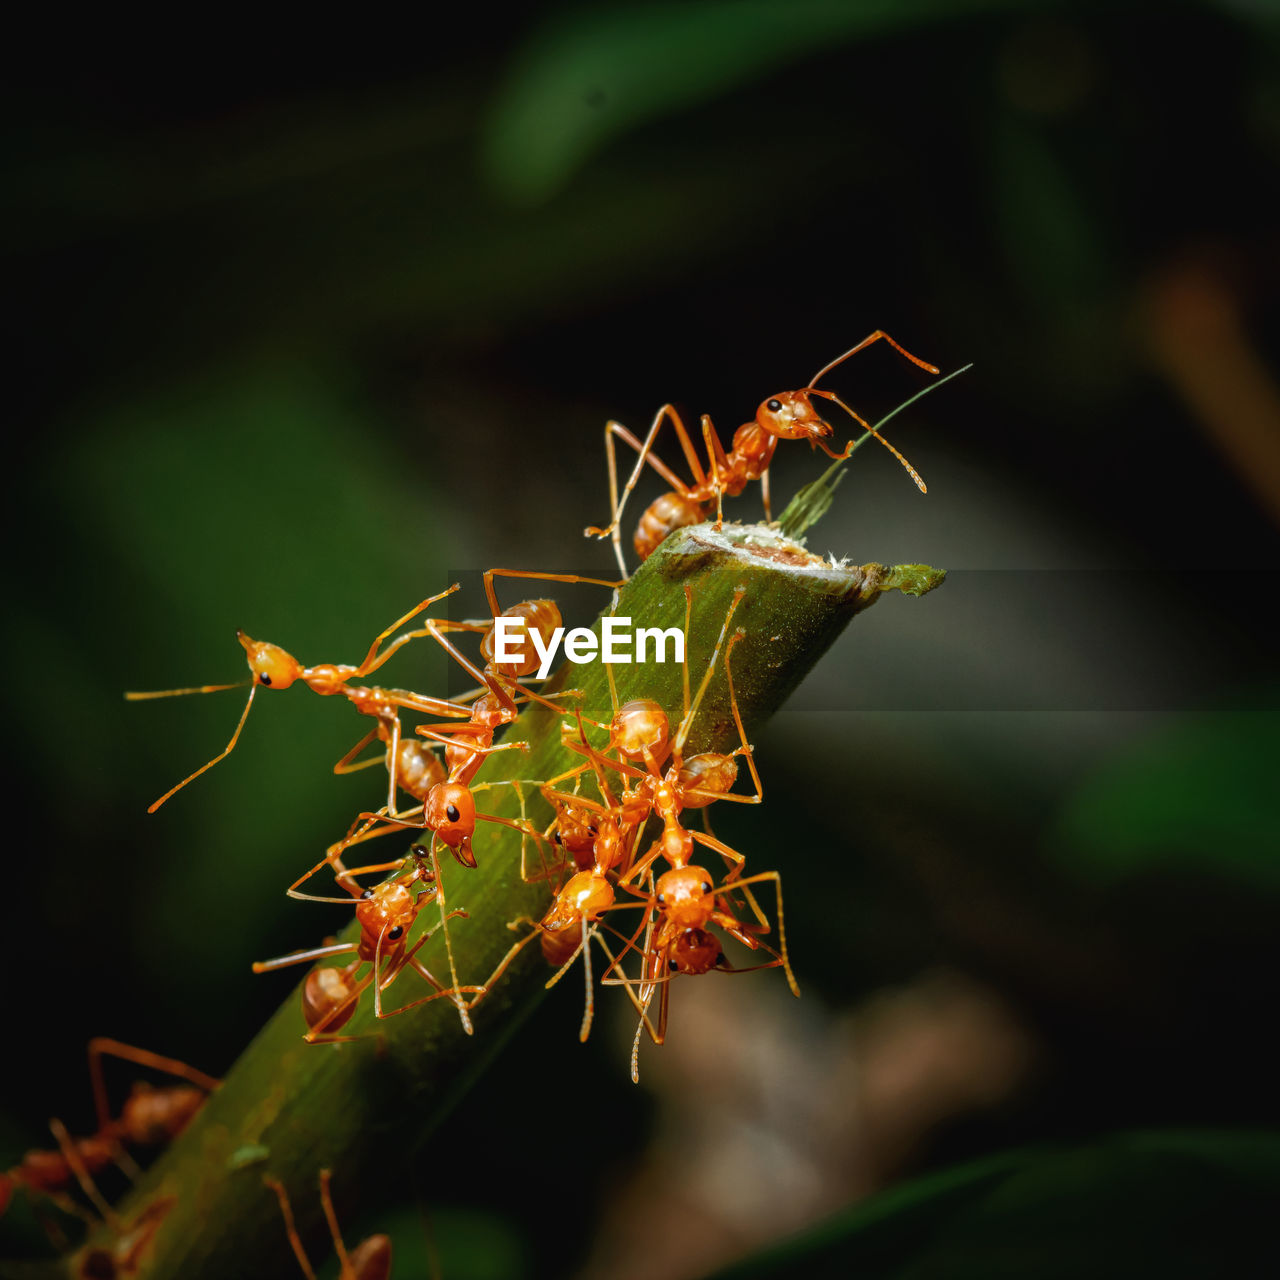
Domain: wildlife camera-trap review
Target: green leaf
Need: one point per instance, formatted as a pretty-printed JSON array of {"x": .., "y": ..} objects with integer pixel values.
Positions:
[
  {"x": 1200, "y": 793},
  {"x": 1168, "y": 1204},
  {"x": 594, "y": 74}
]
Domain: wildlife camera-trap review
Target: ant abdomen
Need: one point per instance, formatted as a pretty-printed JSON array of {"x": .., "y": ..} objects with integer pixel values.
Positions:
[
  {"x": 371, "y": 1258},
  {"x": 418, "y": 768},
  {"x": 152, "y": 1116},
  {"x": 542, "y": 616},
  {"x": 668, "y": 513},
  {"x": 328, "y": 998},
  {"x": 709, "y": 772},
  {"x": 641, "y": 726}
]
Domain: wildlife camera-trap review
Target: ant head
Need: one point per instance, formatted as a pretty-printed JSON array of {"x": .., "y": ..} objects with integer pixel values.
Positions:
[
  {"x": 270, "y": 664},
  {"x": 790, "y": 415},
  {"x": 695, "y": 951},
  {"x": 641, "y": 725},
  {"x": 684, "y": 894},
  {"x": 450, "y": 811},
  {"x": 328, "y": 998},
  {"x": 424, "y": 870},
  {"x": 385, "y": 917}
]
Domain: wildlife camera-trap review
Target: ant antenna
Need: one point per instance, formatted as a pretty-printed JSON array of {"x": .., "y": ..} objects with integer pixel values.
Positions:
[
  {"x": 862, "y": 422},
  {"x": 866, "y": 342}
]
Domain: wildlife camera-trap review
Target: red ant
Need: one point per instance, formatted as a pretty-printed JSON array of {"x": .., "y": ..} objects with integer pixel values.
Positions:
[
  {"x": 385, "y": 913},
  {"x": 600, "y": 836},
  {"x": 124, "y": 1257},
  {"x": 369, "y": 1260},
  {"x": 682, "y": 906},
  {"x": 790, "y": 415},
  {"x": 448, "y": 809},
  {"x": 272, "y": 667},
  {"x": 150, "y": 1116}
]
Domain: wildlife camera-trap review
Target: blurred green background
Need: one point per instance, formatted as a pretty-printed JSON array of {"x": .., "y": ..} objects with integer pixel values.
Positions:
[{"x": 297, "y": 342}]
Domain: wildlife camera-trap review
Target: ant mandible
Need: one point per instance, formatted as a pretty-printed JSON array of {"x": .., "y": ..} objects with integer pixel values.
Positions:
[{"x": 790, "y": 415}]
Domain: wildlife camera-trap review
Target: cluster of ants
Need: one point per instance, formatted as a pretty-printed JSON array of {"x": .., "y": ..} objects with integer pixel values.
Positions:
[{"x": 593, "y": 851}]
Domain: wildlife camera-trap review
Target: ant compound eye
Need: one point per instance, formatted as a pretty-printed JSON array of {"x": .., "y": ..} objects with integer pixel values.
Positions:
[
  {"x": 675, "y": 964},
  {"x": 557, "y": 839},
  {"x": 774, "y": 405},
  {"x": 263, "y": 678},
  {"x": 368, "y": 893},
  {"x": 662, "y": 899},
  {"x": 396, "y": 933},
  {"x": 452, "y": 813}
]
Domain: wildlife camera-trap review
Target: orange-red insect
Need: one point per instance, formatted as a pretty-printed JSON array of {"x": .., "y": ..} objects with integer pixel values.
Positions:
[
  {"x": 369, "y": 1260},
  {"x": 448, "y": 809},
  {"x": 790, "y": 415},
  {"x": 149, "y": 1117},
  {"x": 385, "y": 913},
  {"x": 272, "y": 667}
]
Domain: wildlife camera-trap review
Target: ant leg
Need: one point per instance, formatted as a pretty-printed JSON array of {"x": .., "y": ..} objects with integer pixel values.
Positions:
[
  {"x": 344, "y": 874},
  {"x": 764, "y": 494},
  {"x": 718, "y": 462},
  {"x": 349, "y": 764},
  {"x": 304, "y": 957},
  {"x": 373, "y": 659},
  {"x": 393, "y": 763},
  {"x": 69, "y": 1153},
  {"x": 326, "y": 1203},
  {"x": 434, "y": 630},
  {"x": 583, "y": 949},
  {"x": 104, "y": 1046},
  {"x": 459, "y": 1003},
  {"x": 222, "y": 755},
  {"x": 877, "y": 336},
  {"x": 734, "y": 861},
  {"x": 745, "y": 749},
  {"x": 760, "y": 877},
  {"x": 645, "y": 454},
  {"x": 291, "y": 1230},
  {"x": 503, "y": 964},
  {"x": 682, "y": 733},
  {"x": 492, "y": 597}
]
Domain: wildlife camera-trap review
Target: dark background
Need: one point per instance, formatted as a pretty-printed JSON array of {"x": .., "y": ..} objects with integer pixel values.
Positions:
[{"x": 297, "y": 341}]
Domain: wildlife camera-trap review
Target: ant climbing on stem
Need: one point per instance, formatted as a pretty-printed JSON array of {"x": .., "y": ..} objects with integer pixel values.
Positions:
[
  {"x": 385, "y": 913},
  {"x": 448, "y": 809},
  {"x": 789, "y": 415},
  {"x": 369, "y": 1260},
  {"x": 272, "y": 667},
  {"x": 149, "y": 1117}
]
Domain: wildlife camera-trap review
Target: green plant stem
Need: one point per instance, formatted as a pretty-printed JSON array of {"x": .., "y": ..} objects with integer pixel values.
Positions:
[
  {"x": 813, "y": 500},
  {"x": 289, "y": 1109}
]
